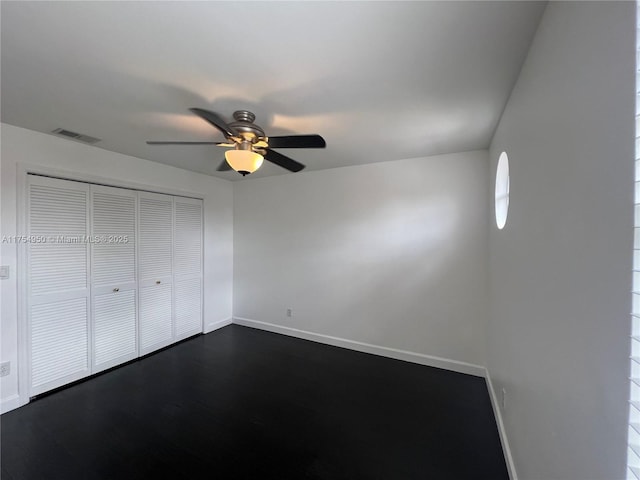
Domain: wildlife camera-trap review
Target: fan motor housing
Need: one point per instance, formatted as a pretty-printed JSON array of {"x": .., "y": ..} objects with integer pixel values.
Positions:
[{"x": 244, "y": 125}]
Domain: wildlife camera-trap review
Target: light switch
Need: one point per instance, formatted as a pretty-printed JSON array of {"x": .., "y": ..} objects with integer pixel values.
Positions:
[{"x": 4, "y": 272}]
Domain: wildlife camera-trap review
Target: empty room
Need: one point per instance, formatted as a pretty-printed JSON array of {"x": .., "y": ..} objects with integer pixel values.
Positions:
[{"x": 319, "y": 240}]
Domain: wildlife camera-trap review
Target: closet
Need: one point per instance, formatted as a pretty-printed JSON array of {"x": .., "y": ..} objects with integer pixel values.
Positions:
[{"x": 112, "y": 274}]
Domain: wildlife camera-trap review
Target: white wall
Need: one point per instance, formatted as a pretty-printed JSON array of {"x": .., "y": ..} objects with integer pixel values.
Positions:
[
  {"x": 391, "y": 254},
  {"x": 82, "y": 161},
  {"x": 560, "y": 270}
]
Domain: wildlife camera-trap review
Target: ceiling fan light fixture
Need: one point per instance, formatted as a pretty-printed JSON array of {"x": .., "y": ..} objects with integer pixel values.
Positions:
[
  {"x": 244, "y": 161},
  {"x": 250, "y": 144}
]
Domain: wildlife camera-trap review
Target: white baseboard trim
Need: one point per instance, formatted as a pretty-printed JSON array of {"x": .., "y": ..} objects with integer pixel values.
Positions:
[
  {"x": 216, "y": 325},
  {"x": 422, "y": 359},
  {"x": 10, "y": 403},
  {"x": 511, "y": 467}
]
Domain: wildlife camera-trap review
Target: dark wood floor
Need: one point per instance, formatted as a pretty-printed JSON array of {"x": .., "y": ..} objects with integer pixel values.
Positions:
[{"x": 245, "y": 404}]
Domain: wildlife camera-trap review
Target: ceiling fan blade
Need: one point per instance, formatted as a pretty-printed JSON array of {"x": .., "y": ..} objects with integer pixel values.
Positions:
[
  {"x": 215, "y": 120},
  {"x": 297, "y": 141},
  {"x": 224, "y": 167},
  {"x": 283, "y": 161},
  {"x": 182, "y": 143}
]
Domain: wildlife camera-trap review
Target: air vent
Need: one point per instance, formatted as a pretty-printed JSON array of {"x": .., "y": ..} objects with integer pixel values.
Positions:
[{"x": 76, "y": 136}]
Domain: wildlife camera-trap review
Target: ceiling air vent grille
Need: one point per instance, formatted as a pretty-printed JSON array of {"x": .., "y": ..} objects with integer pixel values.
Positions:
[{"x": 76, "y": 136}]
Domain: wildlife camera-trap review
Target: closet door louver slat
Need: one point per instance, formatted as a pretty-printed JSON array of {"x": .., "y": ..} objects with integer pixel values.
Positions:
[
  {"x": 188, "y": 295},
  {"x": 58, "y": 290},
  {"x": 114, "y": 286},
  {"x": 115, "y": 328},
  {"x": 155, "y": 233},
  {"x": 188, "y": 267},
  {"x": 155, "y": 317}
]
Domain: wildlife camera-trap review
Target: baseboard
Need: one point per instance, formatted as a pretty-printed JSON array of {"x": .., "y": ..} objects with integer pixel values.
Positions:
[
  {"x": 10, "y": 403},
  {"x": 501, "y": 430},
  {"x": 413, "y": 357},
  {"x": 216, "y": 325}
]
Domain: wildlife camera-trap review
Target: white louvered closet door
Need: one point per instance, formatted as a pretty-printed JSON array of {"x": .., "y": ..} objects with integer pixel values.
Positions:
[
  {"x": 187, "y": 267},
  {"x": 113, "y": 276},
  {"x": 155, "y": 247},
  {"x": 58, "y": 282}
]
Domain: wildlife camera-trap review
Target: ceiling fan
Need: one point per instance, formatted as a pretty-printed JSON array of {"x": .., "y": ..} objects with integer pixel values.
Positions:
[{"x": 249, "y": 144}]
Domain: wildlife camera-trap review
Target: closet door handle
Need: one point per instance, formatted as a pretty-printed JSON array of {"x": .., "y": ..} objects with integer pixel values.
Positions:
[
  {"x": 116, "y": 289},
  {"x": 157, "y": 282}
]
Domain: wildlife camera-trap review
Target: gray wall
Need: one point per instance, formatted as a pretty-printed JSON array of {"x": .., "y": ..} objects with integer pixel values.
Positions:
[
  {"x": 561, "y": 269},
  {"x": 392, "y": 254}
]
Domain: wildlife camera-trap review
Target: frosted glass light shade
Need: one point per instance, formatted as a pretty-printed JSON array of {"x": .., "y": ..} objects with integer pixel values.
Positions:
[{"x": 244, "y": 161}]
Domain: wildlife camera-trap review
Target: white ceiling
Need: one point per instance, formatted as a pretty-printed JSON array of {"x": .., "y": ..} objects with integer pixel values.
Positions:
[{"x": 378, "y": 80}]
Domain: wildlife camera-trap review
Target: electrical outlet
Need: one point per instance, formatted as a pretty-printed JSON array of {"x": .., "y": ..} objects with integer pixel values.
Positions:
[
  {"x": 5, "y": 369},
  {"x": 504, "y": 398},
  {"x": 289, "y": 312}
]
